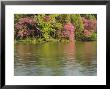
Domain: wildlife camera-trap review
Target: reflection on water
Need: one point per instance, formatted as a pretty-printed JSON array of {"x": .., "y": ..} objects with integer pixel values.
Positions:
[{"x": 56, "y": 59}]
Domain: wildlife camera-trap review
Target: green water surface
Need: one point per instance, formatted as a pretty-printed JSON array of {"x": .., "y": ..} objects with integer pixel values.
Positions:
[{"x": 56, "y": 59}]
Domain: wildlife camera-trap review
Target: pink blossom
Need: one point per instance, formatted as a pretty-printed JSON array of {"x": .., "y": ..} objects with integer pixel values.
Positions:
[{"x": 69, "y": 26}]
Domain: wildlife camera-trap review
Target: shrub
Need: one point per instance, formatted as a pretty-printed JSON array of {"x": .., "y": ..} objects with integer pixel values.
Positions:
[
  {"x": 90, "y": 27},
  {"x": 26, "y": 27},
  {"x": 92, "y": 37},
  {"x": 47, "y": 26},
  {"x": 76, "y": 19}
]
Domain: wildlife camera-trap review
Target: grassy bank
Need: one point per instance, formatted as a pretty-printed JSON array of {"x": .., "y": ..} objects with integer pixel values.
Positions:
[{"x": 39, "y": 40}]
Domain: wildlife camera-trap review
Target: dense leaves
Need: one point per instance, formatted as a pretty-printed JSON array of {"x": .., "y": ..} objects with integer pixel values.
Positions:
[
  {"x": 90, "y": 27},
  {"x": 55, "y": 26},
  {"x": 26, "y": 27}
]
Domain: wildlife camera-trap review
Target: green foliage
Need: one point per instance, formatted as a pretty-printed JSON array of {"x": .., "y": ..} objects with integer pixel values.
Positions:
[
  {"x": 17, "y": 17},
  {"x": 78, "y": 24},
  {"x": 89, "y": 38},
  {"x": 51, "y": 26},
  {"x": 63, "y": 18},
  {"x": 46, "y": 27},
  {"x": 90, "y": 16},
  {"x": 58, "y": 26},
  {"x": 94, "y": 36}
]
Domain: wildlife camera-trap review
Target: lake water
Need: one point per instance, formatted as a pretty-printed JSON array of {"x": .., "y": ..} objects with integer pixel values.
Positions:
[{"x": 56, "y": 59}]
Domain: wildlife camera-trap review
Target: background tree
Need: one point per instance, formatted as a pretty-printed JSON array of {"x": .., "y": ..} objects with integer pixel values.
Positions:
[{"x": 52, "y": 26}]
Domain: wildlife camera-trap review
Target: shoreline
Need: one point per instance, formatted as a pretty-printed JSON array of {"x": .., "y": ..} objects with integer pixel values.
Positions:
[{"x": 37, "y": 41}]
